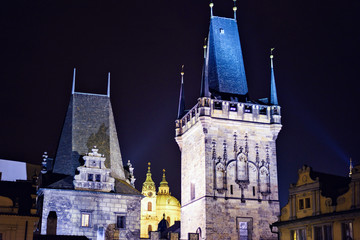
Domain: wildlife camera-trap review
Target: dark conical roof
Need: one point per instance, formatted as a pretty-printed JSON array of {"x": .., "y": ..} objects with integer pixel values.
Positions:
[
  {"x": 89, "y": 122},
  {"x": 224, "y": 69}
]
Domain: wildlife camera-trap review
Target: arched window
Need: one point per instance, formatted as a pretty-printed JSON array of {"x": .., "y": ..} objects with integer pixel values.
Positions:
[
  {"x": 51, "y": 223},
  {"x": 149, "y": 207},
  {"x": 149, "y": 229},
  {"x": 168, "y": 219}
]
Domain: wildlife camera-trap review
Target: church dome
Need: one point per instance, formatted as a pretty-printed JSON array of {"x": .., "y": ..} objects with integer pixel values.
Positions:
[{"x": 167, "y": 200}]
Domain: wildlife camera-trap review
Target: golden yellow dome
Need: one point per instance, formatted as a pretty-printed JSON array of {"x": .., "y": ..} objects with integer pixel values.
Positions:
[{"x": 167, "y": 200}]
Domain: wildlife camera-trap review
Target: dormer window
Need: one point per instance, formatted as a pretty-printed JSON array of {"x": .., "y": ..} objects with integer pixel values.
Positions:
[
  {"x": 90, "y": 177},
  {"x": 98, "y": 177},
  {"x": 262, "y": 111}
]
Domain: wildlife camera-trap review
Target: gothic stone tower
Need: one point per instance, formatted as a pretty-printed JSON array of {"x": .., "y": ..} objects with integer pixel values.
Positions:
[{"x": 229, "y": 185}]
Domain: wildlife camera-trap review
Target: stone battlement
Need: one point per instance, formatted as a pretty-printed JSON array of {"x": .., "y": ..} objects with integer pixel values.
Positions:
[{"x": 237, "y": 111}]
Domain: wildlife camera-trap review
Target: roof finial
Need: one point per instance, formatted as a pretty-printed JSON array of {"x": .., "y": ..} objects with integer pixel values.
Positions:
[
  {"x": 181, "y": 108},
  {"x": 211, "y": 8},
  {"x": 234, "y": 9},
  {"x": 204, "y": 90},
  {"x": 350, "y": 168},
  {"x": 149, "y": 167},
  {"x": 73, "y": 85},
  {"x": 108, "y": 88},
  {"x": 273, "y": 93}
]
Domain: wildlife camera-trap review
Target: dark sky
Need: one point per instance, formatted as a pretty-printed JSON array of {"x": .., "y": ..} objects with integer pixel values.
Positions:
[{"x": 144, "y": 43}]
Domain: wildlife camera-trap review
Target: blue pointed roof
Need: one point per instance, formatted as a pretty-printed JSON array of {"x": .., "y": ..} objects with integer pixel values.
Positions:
[
  {"x": 273, "y": 93},
  {"x": 224, "y": 69}
]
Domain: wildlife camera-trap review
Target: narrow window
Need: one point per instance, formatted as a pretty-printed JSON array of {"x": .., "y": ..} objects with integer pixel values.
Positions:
[
  {"x": 253, "y": 191},
  {"x": 90, "y": 177},
  {"x": 192, "y": 191},
  {"x": 347, "y": 231},
  {"x": 244, "y": 227},
  {"x": 149, "y": 206},
  {"x": 231, "y": 190},
  {"x": 307, "y": 202},
  {"x": 51, "y": 223},
  {"x": 149, "y": 229},
  {"x": 98, "y": 177},
  {"x": 85, "y": 219},
  {"x": 301, "y": 204},
  {"x": 168, "y": 220},
  {"x": 120, "y": 223}
]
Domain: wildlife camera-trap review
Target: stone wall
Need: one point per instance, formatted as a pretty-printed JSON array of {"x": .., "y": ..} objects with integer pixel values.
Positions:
[
  {"x": 216, "y": 209},
  {"x": 102, "y": 207}
]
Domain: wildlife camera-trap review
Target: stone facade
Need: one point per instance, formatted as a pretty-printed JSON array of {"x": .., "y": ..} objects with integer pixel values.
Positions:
[
  {"x": 229, "y": 169},
  {"x": 103, "y": 209}
]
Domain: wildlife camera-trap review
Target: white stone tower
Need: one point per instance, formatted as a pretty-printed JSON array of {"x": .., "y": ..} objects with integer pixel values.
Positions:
[{"x": 229, "y": 185}]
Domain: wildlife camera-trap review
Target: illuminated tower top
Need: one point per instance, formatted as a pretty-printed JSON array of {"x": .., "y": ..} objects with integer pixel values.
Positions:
[{"x": 224, "y": 65}]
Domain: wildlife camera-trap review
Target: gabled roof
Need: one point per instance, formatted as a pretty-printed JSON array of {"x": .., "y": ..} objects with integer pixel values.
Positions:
[{"x": 224, "y": 69}]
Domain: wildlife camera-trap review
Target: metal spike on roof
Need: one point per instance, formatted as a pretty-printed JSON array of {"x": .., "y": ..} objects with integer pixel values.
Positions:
[
  {"x": 235, "y": 9},
  {"x": 204, "y": 92},
  {"x": 73, "y": 84},
  {"x": 273, "y": 94},
  {"x": 211, "y": 8},
  {"x": 181, "y": 108},
  {"x": 108, "y": 88}
]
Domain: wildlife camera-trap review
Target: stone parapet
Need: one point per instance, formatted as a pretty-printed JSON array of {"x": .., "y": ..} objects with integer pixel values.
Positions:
[{"x": 248, "y": 112}]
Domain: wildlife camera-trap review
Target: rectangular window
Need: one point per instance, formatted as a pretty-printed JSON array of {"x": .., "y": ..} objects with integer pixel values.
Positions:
[
  {"x": 263, "y": 111},
  {"x": 323, "y": 232},
  {"x": 90, "y": 177},
  {"x": 218, "y": 105},
  {"x": 298, "y": 234},
  {"x": 347, "y": 230},
  {"x": 253, "y": 191},
  {"x": 248, "y": 109},
  {"x": 301, "y": 204},
  {"x": 120, "y": 221},
  {"x": 233, "y": 107},
  {"x": 98, "y": 177},
  {"x": 307, "y": 202},
  {"x": 231, "y": 190},
  {"x": 192, "y": 191},
  {"x": 244, "y": 226},
  {"x": 85, "y": 219}
]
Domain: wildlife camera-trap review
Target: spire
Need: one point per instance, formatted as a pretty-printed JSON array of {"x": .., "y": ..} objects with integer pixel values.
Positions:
[
  {"x": 164, "y": 187},
  {"x": 273, "y": 94},
  {"x": 163, "y": 178},
  {"x": 234, "y": 9},
  {"x": 148, "y": 175},
  {"x": 350, "y": 168},
  {"x": 73, "y": 85},
  {"x": 181, "y": 108},
  {"x": 211, "y": 8},
  {"x": 108, "y": 88},
  {"x": 204, "y": 92}
]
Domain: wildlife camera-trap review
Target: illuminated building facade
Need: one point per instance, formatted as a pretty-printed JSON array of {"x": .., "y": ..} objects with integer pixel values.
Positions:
[
  {"x": 229, "y": 184},
  {"x": 155, "y": 205},
  {"x": 322, "y": 206},
  {"x": 87, "y": 191}
]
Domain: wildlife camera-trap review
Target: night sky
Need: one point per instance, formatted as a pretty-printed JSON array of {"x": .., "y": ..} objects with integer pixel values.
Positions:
[{"x": 144, "y": 43}]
